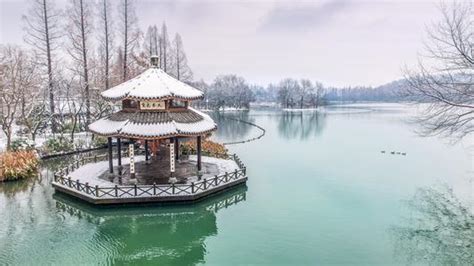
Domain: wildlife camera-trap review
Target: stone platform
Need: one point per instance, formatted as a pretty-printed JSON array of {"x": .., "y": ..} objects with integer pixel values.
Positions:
[{"x": 91, "y": 181}]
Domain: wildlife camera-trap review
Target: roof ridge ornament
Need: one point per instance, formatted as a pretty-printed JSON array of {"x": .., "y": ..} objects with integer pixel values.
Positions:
[{"x": 154, "y": 61}]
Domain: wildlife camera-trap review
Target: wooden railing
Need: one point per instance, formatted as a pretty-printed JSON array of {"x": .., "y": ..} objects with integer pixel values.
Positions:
[{"x": 169, "y": 190}]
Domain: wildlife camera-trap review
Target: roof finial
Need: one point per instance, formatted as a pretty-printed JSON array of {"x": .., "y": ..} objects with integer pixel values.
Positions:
[{"x": 154, "y": 61}]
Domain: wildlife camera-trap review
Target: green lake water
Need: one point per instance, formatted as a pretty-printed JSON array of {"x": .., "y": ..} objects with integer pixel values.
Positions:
[{"x": 320, "y": 191}]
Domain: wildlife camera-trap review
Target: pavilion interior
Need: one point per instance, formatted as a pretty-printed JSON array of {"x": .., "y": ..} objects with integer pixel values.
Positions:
[{"x": 157, "y": 170}]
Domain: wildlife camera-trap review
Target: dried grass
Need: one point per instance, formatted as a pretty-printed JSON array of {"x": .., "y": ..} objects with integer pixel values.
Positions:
[
  {"x": 208, "y": 148},
  {"x": 16, "y": 165}
]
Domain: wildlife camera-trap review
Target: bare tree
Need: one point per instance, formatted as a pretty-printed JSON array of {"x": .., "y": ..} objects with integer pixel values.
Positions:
[
  {"x": 181, "y": 69},
  {"x": 71, "y": 106},
  {"x": 18, "y": 76},
  {"x": 165, "y": 47},
  {"x": 156, "y": 39},
  {"x": 130, "y": 34},
  {"x": 287, "y": 91},
  {"x": 304, "y": 90},
  {"x": 229, "y": 91},
  {"x": 150, "y": 44},
  {"x": 105, "y": 40},
  {"x": 43, "y": 33},
  {"x": 34, "y": 115},
  {"x": 79, "y": 31},
  {"x": 446, "y": 84}
]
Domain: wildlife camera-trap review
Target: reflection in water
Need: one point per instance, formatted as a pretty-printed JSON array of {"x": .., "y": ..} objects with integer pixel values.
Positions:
[
  {"x": 301, "y": 124},
  {"x": 10, "y": 189},
  {"x": 439, "y": 231},
  {"x": 171, "y": 235},
  {"x": 230, "y": 129}
]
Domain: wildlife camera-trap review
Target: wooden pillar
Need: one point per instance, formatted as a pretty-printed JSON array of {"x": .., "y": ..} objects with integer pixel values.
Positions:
[
  {"x": 176, "y": 148},
  {"x": 131, "y": 152},
  {"x": 119, "y": 151},
  {"x": 199, "y": 153},
  {"x": 172, "y": 156},
  {"x": 146, "y": 150},
  {"x": 111, "y": 164}
]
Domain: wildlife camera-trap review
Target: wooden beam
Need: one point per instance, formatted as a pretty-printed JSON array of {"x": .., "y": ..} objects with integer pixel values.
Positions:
[
  {"x": 111, "y": 164},
  {"x": 146, "y": 150},
  {"x": 199, "y": 153},
  {"x": 176, "y": 148},
  {"x": 119, "y": 151}
]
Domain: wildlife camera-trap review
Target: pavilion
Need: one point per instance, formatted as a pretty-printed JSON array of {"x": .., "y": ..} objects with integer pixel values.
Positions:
[{"x": 155, "y": 111}]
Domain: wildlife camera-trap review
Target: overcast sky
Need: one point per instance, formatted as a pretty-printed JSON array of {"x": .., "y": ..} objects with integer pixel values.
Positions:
[{"x": 337, "y": 42}]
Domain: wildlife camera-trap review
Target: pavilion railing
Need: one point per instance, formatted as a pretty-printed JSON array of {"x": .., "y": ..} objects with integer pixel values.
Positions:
[{"x": 63, "y": 178}]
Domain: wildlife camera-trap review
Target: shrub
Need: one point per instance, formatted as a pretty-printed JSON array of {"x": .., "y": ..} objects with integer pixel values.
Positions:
[
  {"x": 18, "y": 165},
  {"x": 208, "y": 148},
  {"x": 22, "y": 144},
  {"x": 99, "y": 141},
  {"x": 59, "y": 144},
  {"x": 69, "y": 126}
]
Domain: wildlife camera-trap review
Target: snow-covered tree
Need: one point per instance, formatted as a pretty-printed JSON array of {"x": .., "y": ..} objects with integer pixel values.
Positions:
[
  {"x": 18, "y": 85},
  {"x": 43, "y": 33},
  {"x": 105, "y": 33},
  {"x": 182, "y": 71},
  {"x": 79, "y": 30},
  {"x": 130, "y": 35}
]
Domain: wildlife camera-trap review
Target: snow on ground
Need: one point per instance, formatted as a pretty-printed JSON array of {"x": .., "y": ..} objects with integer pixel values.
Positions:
[
  {"x": 90, "y": 172},
  {"x": 225, "y": 109},
  {"x": 299, "y": 109},
  {"x": 224, "y": 165}
]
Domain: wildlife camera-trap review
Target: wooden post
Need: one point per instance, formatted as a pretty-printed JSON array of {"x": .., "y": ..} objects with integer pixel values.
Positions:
[
  {"x": 96, "y": 190},
  {"x": 154, "y": 188},
  {"x": 199, "y": 153},
  {"x": 146, "y": 150},
  {"x": 119, "y": 151},
  {"x": 111, "y": 165},
  {"x": 131, "y": 152},
  {"x": 172, "y": 157},
  {"x": 176, "y": 148}
]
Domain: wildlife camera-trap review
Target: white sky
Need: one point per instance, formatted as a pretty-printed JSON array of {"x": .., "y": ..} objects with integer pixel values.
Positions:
[{"x": 338, "y": 42}]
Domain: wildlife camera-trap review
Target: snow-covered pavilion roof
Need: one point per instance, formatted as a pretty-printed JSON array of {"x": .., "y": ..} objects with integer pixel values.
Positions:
[
  {"x": 148, "y": 125},
  {"x": 153, "y": 84}
]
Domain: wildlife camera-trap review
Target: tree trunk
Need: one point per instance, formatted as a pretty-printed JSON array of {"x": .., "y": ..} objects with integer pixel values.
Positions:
[
  {"x": 8, "y": 134},
  {"x": 85, "y": 69},
  {"x": 106, "y": 28},
  {"x": 125, "y": 46},
  {"x": 50, "y": 68}
]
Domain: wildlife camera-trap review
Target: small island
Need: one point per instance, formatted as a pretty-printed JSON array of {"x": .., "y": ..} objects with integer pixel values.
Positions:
[{"x": 155, "y": 119}]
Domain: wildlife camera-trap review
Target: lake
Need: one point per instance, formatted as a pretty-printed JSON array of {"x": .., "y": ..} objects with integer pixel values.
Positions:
[{"x": 320, "y": 191}]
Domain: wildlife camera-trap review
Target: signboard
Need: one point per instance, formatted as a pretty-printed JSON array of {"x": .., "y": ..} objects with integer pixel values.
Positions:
[
  {"x": 172, "y": 162},
  {"x": 152, "y": 105},
  {"x": 131, "y": 153}
]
